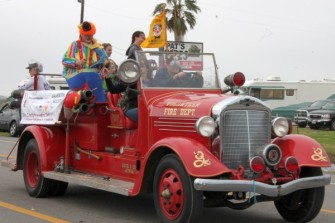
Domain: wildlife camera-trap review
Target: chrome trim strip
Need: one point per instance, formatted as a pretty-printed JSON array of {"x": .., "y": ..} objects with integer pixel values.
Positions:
[
  {"x": 222, "y": 105},
  {"x": 176, "y": 130}
]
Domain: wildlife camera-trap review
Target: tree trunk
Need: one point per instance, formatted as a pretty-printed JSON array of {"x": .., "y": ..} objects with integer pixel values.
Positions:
[{"x": 178, "y": 38}]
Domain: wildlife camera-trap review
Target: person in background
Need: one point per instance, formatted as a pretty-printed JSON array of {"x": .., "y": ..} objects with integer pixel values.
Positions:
[
  {"x": 136, "y": 40},
  {"x": 111, "y": 65},
  {"x": 173, "y": 76},
  {"x": 147, "y": 68},
  {"x": 83, "y": 61},
  {"x": 37, "y": 81}
]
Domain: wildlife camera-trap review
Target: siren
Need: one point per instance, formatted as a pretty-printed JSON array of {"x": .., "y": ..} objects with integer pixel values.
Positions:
[{"x": 236, "y": 79}]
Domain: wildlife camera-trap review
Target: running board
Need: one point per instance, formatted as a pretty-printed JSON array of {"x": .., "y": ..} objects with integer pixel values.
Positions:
[{"x": 93, "y": 181}]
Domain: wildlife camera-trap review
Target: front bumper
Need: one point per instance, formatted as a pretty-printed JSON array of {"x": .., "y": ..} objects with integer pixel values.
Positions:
[
  {"x": 300, "y": 120},
  {"x": 261, "y": 188},
  {"x": 319, "y": 122}
]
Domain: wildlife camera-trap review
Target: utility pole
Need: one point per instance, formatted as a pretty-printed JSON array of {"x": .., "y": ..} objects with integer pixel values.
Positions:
[{"x": 82, "y": 10}]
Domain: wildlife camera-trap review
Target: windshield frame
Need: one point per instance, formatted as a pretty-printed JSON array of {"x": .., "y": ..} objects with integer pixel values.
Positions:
[{"x": 209, "y": 74}]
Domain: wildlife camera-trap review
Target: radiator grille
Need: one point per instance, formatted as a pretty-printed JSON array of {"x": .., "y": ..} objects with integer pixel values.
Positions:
[
  {"x": 243, "y": 132},
  {"x": 301, "y": 114}
]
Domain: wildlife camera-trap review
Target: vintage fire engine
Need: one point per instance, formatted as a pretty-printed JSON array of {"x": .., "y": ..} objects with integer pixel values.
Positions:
[{"x": 192, "y": 147}]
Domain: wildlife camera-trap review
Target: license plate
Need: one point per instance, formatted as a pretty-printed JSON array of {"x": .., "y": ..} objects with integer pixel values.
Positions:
[{"x": 313, "y": 122}]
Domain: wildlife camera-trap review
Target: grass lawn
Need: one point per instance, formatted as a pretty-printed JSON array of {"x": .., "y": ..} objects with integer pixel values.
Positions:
[
  {"x": 325, "y": 137},
  {"x": 4, "y": 134}
]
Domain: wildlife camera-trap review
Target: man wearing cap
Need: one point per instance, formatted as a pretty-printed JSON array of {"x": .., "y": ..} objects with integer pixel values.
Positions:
[
  {"x": 83, "y": 61},
  {"x": 173, "y": 76},
  {"x": 37, "y": 81}
]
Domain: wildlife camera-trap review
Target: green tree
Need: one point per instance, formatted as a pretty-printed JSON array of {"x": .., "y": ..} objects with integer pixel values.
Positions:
[{"x": 179, "y": 15}]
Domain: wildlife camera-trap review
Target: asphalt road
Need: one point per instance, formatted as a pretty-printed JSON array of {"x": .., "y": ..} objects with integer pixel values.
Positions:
[{"x": 86, "y": 205}]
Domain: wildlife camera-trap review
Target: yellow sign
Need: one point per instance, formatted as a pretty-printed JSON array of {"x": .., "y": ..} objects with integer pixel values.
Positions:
[{"x": 157, "y": 34}]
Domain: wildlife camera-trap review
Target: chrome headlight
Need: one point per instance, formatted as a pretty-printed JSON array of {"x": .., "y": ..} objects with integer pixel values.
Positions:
[
  {"x": 129, "y": 71},
  {"x": 280, "y": 126},
  {"x": 205, "y": 126}
]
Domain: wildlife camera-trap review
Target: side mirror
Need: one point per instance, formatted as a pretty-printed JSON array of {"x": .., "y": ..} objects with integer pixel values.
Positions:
[
  {"x": 15, "y": 104},
  {"x": 129, "y": 72}
]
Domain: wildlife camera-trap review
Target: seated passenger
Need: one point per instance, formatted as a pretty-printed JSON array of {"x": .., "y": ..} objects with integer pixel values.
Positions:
[
  {"x": 128, "y": 101},
  {"x": 173, "y": 76},
  {"x": 147, "y": 67}
]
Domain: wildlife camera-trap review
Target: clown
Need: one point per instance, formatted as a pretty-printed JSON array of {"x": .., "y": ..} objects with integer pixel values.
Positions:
[{"x": 83, "y": 61}]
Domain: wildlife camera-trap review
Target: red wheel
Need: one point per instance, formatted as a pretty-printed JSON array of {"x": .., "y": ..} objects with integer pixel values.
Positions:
[
  {"x": 175, "y": 198},
  {"x": 32, "y": 168},
  {"x": 171, "y": 194},
  {"x": 36, "y": 184}
]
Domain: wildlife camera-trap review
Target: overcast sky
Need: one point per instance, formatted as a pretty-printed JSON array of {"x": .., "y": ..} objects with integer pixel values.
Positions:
[{"x": 292, "y": 39}]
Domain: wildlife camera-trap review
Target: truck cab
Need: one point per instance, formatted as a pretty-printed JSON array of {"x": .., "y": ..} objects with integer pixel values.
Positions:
[{"x": 194, "y": 145}]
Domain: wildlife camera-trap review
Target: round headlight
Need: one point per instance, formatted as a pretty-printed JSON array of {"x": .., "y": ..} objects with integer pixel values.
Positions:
[
  {"x": 280, "y": 126},
  {"x": 129, "y": 71},
  {"x": 205, "y": 126}
]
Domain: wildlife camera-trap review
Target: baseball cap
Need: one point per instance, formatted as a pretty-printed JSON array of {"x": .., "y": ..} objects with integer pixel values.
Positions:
[{"x": 34, "y": 64}]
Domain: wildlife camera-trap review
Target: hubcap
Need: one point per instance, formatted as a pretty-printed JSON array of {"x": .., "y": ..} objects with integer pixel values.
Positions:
[
  {"x": 32, "y": 169},
  {"x": 12, "y": 129},
  {"x": 171, "y": 194}
]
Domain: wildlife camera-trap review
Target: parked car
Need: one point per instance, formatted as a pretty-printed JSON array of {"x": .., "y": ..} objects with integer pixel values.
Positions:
[
  {"x": 300, "y": 115},
  {"x": 323, "y": 118},
  {"x": 10, "y": 120},
  {"x": 288, "y": 111}
]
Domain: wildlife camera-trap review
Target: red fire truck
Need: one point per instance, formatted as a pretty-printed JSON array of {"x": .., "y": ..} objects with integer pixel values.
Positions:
[{"x": 193, "y": 146}]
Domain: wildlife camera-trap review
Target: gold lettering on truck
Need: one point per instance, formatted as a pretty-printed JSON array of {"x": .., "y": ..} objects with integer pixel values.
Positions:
[
  {"x": 184, "y": 105},
  {"x": 187, "y": 111},
  {"x": 128, "y": 168},
  {"x": 200, "y": 160},
  {"x": 318, "y": 156},
  {"x": 170, "y": 111}
]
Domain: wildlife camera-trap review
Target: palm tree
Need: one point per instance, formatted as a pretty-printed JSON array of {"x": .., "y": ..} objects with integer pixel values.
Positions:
[{"x": 179, "y": 14}]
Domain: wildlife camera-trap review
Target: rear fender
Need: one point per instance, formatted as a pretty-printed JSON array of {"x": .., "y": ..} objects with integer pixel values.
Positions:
[
  {"x": 197, "y": 159},
  {"x": 307, "y": 150},
  {"x": 50, "y": 141}
]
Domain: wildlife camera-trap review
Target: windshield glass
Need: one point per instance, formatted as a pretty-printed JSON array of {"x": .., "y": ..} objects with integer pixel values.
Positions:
[
  {"x": 177, "y": 70},
  {"x": 318, "y": 104},
  {"x": 329, "y": 105}
]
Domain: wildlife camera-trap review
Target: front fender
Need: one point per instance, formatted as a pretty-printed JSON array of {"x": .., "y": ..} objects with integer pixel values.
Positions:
[
  {"x": 50, "y": 142},
  {"x": 197, "y": 159},
  {"x": 307, "y": 150}
]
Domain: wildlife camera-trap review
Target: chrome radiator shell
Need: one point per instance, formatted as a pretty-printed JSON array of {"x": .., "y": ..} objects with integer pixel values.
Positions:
[{"x": 244, "y": 128}]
